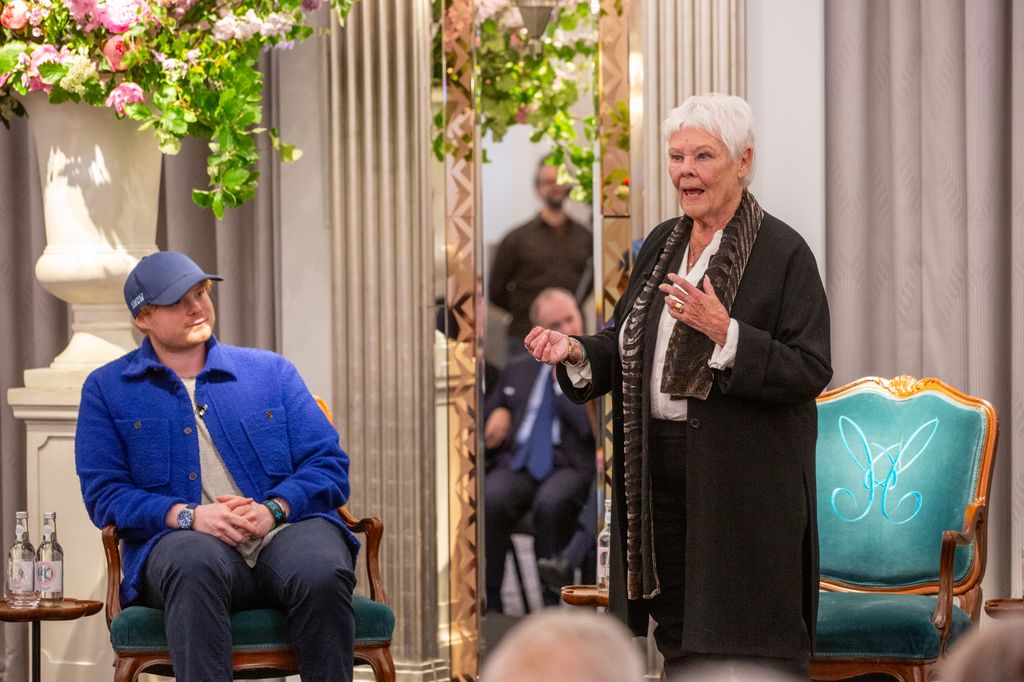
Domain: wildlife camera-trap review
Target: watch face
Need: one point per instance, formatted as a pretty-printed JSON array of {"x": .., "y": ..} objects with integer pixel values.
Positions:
[{"x": 185, "y": 519}]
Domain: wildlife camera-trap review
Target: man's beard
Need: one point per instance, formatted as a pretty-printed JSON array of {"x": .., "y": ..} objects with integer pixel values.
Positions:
[{"x": 555, "y": 203}]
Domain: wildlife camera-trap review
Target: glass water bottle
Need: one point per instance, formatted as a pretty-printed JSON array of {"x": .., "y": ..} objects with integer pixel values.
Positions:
[
  {"x": 19, "y": 587},
  {"x": 50, "y": 564}
]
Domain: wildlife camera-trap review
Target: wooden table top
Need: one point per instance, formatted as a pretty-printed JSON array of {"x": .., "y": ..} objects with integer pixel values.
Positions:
[
  {"x": 584, "y": 595},
  {"x": 70, "y": 609},
  {"x": 1004, "y": 608}
]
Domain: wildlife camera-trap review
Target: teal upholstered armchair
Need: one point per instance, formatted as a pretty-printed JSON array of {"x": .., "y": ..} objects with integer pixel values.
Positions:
[
  {"x": 260, "y": 642},
  {"x": 903, "y": 475}
]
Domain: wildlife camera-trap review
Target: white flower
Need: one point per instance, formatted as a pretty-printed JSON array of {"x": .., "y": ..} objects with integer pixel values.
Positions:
[
  {"x": 176, "y": 69},
  {"x": 248, "y": 25},
  {"x": 277, "y": 24},
  {"x": 225, "y": 27},
  {"x": 80, "y": 69},
  {"x": 485, "y": 9}
]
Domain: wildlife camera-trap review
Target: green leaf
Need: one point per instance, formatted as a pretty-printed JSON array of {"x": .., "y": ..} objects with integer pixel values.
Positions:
[
  {"x": 236, "y": 176},
  {"x": 202, "y": 198},
  {"x": 217, "y": 205},
  {"x": 9, "y": 55},
  {"x": 51, "y": 72}
]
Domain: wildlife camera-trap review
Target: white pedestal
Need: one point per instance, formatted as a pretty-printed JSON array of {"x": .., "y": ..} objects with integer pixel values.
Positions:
[{"x": 79, "y": 650}]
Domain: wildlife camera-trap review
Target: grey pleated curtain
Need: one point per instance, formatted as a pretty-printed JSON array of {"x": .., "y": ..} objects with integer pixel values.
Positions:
[
  {"x": 34, "y": 325},
  {"x": 925, "y": 213}
]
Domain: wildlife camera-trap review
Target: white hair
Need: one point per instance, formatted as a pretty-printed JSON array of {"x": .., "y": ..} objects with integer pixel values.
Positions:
[
  {"x": 727, "y": 117},
  {"x": 563, "y": 645}
]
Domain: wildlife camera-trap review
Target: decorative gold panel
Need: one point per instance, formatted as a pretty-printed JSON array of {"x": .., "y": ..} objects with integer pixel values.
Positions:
[
  {"x": 464, "y": 297},
  {"x": 616, "y": 229}
]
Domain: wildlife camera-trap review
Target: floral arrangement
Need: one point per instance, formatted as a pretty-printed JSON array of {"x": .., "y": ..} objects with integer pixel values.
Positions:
[
  {"x": 524, "y": 80},
  {"x": 180, "y": 67}
]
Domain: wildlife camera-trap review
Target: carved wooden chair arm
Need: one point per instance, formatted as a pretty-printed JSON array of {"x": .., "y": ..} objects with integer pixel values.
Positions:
[
  {"x": 974, "y": 522},
  {"x": 373, "y": 529},
  {"x": 112, "y": 551}
]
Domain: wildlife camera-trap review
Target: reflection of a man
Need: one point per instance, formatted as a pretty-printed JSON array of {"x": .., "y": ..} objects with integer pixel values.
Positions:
[
  {"x": 551, "y": 250},
  {"x": 540, "y": 452}
]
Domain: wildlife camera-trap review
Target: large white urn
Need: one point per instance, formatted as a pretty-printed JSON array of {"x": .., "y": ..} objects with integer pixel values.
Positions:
[{"x": 101, "y": 185}]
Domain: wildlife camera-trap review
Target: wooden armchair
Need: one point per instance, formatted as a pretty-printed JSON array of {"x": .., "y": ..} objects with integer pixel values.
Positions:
[
  {"x": 260, "y": 642},
  {"x": 904, "y": 468}
]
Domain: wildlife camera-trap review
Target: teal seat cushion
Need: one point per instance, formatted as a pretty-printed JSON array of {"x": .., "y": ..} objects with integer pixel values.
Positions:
[
  {"x": 859, "y": 625},
  {"x": 139, "y": 628}
]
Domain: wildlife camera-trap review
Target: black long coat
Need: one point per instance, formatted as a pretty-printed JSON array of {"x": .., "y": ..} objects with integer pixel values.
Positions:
[{"x": 751, "y": 537}]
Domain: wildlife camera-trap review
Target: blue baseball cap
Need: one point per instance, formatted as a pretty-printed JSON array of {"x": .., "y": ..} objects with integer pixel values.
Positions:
[{"x": 162, "y": 278}]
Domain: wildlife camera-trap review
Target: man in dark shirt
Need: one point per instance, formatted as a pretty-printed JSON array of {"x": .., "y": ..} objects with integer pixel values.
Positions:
[{"x": 549, "y": 251}]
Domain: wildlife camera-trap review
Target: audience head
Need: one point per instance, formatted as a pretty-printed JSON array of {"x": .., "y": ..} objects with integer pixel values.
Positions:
[
  {"x": 556, "y": 309},
  {"x": 731, "y": 671},
  {"x": 991, "y": 653},
  {"x": 546, "y": 180},
  {"x": 565, "y": 645}
]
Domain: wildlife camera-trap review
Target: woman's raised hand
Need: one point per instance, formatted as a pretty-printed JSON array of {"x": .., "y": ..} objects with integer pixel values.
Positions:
[{"x": 547, "y": 345}]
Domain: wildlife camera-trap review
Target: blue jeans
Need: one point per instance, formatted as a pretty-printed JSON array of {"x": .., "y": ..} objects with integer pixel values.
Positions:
[{"x": 306, "y": 570}]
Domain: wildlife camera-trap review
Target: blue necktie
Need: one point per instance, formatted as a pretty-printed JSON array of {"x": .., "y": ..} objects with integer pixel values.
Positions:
[{"x": 535, "y": 452}]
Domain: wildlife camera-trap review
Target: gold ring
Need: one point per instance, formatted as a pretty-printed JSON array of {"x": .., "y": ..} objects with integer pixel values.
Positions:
[{"x": 678, "y": 307}]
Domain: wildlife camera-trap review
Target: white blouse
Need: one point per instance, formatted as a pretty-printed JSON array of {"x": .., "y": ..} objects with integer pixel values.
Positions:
[{"x": 662, "y": 404}]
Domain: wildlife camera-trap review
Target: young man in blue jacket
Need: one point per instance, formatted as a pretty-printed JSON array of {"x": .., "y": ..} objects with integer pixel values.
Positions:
[{"x": 223, "y": 477}]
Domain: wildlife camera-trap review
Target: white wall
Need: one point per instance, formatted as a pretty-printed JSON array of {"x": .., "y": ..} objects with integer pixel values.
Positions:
[{"x": 786, "y": 89}]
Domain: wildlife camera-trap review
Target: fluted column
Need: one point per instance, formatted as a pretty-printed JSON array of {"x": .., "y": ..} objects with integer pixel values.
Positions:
[
  {"x": 382, "y": 303},
  {"x": 689, "y": 47}
]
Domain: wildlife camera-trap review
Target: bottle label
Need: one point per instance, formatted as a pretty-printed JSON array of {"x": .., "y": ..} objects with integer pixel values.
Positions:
[
  {"x": 602, "y": 567},
  {"x": 50, "y": 576},
  {"x": 47, "y": 531},
  {"x": 19, "y": 529},
  {"x": 19, "y": 579}
]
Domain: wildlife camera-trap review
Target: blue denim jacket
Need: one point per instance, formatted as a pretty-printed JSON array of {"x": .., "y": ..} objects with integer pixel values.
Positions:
[{"x": 137, "y": 451}]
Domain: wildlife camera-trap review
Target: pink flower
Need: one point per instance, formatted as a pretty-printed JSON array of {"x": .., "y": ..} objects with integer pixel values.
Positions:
[
  {"x": 311, "y": 5},
  {"x": 41, "y": 55},
  {"x": 523, "y": 112},
  {"x": 4, "y": 77},
  {"x": 457, "y": 19},
  {"x": 114, "y": 50},
  {"x": 80, "y": 9},
  {"x": 123, "y": 94},
  {"x": 179, "y": 7},
  {"x": 15, "y": 15},
  {"x": 121, "y": 15}
]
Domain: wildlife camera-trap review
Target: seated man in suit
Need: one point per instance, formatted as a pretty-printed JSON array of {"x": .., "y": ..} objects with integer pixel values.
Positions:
[
  {"x": 223, "y": 477},
  {"x": 541, "y": 452}
]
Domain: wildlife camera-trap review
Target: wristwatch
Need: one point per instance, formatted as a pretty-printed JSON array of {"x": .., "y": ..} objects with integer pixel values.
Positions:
[{"x": 186, "y": 516}]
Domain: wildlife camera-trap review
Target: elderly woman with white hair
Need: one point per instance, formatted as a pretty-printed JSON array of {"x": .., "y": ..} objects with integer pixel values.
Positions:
[{"x": 716, "y": 353}]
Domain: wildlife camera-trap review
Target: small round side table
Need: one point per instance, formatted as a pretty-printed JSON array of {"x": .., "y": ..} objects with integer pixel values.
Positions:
[
  {"x": 70, "y": 609},
  {"x": 1005, "y": 608},
  {"x": 585, "y": 595}
]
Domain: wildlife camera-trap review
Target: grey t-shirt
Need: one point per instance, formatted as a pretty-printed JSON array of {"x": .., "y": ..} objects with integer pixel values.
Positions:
[{"x": 216, "y": 479}]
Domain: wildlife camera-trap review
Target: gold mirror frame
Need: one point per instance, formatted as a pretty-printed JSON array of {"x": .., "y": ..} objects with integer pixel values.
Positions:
[{"x": 464, "y": 294}]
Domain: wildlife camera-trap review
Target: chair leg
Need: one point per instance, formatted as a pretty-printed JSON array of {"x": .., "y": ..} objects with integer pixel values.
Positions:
[
  {"x": 519, "y": 577},
  {"x": 380, "y": 661},
  {"x": 127, "y": 669}
]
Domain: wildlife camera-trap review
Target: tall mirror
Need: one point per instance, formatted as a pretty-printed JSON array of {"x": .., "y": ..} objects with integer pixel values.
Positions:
[{"x": 518, "y": 127}]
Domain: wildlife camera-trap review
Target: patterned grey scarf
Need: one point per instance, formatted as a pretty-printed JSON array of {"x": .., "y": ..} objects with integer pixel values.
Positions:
[{"x": 686, "y": 374}]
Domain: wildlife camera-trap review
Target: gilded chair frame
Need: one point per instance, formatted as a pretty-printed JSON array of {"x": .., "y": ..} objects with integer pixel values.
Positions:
[{"x": 946, "y": 588}]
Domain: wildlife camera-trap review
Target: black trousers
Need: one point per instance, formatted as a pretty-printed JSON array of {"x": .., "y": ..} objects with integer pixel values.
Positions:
[
  {"x": 508, "y": 496},
  {"x": 668, "y": 471},
  {"x": 306, "y": 570}
]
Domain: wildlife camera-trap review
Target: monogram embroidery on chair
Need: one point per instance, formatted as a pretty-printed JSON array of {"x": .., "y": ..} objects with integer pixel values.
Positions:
[{"x": 897, "y": 457}]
